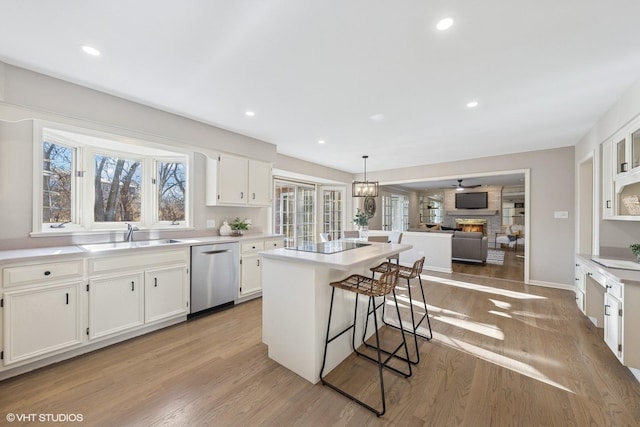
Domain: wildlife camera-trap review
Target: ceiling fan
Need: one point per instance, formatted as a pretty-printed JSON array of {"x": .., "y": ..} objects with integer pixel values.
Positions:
[{"x": 461, "y": 187}]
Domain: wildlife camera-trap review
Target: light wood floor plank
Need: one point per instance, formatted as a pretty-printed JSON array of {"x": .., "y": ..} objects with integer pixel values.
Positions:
[{"x": 503, "y": 353}]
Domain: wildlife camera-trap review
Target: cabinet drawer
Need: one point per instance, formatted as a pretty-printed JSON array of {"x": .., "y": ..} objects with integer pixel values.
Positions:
[
  {"x": 42, "y": 273},
  {"x": 274, "y": 243},
  {"x": 616, "y": 289},
  {"x": 251, "y": 247}
]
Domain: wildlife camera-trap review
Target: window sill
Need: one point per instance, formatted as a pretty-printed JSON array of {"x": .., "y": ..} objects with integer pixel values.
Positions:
[{"x": 107, "y": 231}]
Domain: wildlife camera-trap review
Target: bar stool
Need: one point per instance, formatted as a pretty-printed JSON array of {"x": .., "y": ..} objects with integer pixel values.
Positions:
[
  {"x": 372, "y": 288},
  {"x": 408, "y": 273}
]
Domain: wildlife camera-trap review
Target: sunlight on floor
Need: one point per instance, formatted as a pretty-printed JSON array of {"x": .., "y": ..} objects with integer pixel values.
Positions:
[
  {"x": 498, "y": 359},
  {"x": 501, "y": 304},
  {"x": 481, "y": 288},
  {"x": 490, "y": 331},
  {"x": 500, "y": 313}
]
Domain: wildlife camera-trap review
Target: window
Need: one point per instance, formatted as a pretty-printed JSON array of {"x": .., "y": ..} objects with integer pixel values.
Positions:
[
  {"x": 332, "y": 212},
  {"x": 431, "y": 208},
  {"x": 91, "y": 182}
]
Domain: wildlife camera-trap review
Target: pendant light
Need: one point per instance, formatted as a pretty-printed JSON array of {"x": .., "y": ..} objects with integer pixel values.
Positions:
[{"x": 364, "y": 188}]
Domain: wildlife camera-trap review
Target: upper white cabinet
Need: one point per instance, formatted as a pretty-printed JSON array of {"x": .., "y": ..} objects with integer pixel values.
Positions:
[
  {"x": 621, "y": 174},
  {"x": 236, "y": 181}
]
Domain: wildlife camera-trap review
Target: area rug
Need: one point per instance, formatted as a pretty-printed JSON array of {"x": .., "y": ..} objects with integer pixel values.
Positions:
[{"x": 495, "y": 257}]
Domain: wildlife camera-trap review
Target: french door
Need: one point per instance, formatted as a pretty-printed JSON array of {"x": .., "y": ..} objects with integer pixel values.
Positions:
[{"x": 294, "y": 212}]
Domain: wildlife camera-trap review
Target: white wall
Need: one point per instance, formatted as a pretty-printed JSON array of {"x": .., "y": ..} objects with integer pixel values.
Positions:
[{"x": 551, "y": 189}]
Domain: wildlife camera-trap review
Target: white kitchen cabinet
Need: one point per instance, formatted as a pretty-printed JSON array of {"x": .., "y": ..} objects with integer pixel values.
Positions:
[
  {"x": 259, "y": 189},
  {"x": 165, "y": 293},
  {"x": 237, "y": 181},
  {"x": 608, "y": 188},
  {"x": 580, "y": 288},
  {"x": 41, "y": 321},
  {"x": 116, "y": 304},
  {"x": 251, "y": 264},
  {"x": 613, "y": 324},
  {"x": 250, "y": 268}
]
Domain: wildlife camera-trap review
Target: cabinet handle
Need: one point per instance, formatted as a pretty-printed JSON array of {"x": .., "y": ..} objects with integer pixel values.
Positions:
[
  {"x": 253, "y": 196},
  {"x": 258, "y": 263},
  {"x": 155, "y": 282},
  {"x": 606, "y": 312},
  {"x": 242, "y": 194},
  {"x": 133, "y": 286},
  {"x": 624, "y": 167},
  {"x": 47, "y": 273},
  {"x": 67, "y": 298},
  {"x": 608, "y": 204}
]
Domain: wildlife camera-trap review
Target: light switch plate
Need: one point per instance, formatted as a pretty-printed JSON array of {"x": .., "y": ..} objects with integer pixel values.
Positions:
[
  {"x": 561, "y": 214},
  {"x": 211, "y": 223}
]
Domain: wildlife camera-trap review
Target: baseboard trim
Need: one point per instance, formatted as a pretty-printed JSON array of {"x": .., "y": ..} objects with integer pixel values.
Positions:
[{"x": 551, "y": 285}]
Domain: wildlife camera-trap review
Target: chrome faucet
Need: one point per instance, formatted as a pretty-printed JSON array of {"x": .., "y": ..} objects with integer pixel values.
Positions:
[{"x": 130, "y": 230}]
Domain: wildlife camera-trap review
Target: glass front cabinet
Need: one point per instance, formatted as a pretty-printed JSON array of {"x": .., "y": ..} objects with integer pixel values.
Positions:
[{"x": 621, "y": 174}]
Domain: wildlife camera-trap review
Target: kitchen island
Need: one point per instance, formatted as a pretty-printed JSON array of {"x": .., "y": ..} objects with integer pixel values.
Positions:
[{"x": 296, "y": 297}]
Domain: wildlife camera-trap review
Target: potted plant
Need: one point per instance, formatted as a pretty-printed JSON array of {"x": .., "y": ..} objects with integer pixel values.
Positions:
[
  {"x": 362, "y": 221},
  {"x": 239, "y": 226},
  {"x": 635, "y": 248}
]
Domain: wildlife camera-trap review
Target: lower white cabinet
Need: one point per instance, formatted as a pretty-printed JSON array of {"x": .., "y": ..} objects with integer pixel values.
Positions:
[
  {"x": 116, "y": 304},
  {"x": 251, "y": 264},
  {"x": 165, "y": 293},
  {"x": 42, "y": 320},
  {"x": 613, "y": 324}
]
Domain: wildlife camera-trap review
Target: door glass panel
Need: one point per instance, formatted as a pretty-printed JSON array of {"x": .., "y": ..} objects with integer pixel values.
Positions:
[
  {"x": 294, "y": 213},
  {"x": 332, "y": 213}
]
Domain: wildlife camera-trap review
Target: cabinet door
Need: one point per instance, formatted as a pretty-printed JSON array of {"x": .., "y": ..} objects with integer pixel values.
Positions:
[
  {"x": 115, "y": 304},
  {"x": 259, "y": 183},
  {"x": 165, "y": 293},
  {"x": 251, "y": 275},
  {"x": 622, "y": 165},
  {"x": 38, "y": 322},
  {"x": 232, "y": 180},
  {"x": 612, "y": 324},
  {"x": 607, "y": 180}
]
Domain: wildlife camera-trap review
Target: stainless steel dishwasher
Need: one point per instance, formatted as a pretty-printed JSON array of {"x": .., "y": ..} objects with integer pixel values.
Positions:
[{"x": 214, "y": 276}]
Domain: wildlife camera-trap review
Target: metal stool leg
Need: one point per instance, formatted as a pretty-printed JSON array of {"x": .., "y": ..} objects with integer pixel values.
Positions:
[
  {"x": 378, "y": 360},
  {"x": 426, "y": 314}
]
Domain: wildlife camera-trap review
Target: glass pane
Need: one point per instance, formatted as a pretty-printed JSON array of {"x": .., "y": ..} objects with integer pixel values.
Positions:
[
  {"x": 171, "y": 191},
  {"x": 332, "y": 213},
  {"x": 622, "y": 159},
  {"x": 117, "y": 186},
  {"x": 305, "y": 216},
  {"x": 284, "y": 208},
  {"x": 57, "y": 181},
  {"x": 635, "y": 148}
]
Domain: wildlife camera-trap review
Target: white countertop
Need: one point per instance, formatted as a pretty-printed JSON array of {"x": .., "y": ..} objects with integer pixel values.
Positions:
[
  {"x": 13, "y": 255},
  {"x": 619, "y": 274},
  {"x": 344, "y": 260}
]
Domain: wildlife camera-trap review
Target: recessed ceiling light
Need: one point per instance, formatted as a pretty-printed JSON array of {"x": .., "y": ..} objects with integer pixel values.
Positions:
[
  {"x": 250, "y": 113},
  {"x": 444, "y": 24},
  {"x": 321, "y": 141},
  {"x": 472, "y": 104},
  {"x": 91, "y": 50}
]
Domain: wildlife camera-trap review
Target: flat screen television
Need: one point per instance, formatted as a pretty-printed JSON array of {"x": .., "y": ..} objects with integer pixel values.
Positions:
[{"x": 471, "y": 200}]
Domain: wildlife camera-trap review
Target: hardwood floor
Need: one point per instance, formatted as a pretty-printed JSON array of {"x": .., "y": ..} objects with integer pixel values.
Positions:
[
  {"x": 503, "y": 354},
  {"x": 511, "y": 269}
]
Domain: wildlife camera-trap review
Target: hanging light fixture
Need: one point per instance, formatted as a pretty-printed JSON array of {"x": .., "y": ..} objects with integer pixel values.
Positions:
[{"x": 364, "y": 188}]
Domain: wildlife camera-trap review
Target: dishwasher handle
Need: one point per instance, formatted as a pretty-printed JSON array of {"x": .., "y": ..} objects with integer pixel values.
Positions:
[{"x": 219, "y": 251}]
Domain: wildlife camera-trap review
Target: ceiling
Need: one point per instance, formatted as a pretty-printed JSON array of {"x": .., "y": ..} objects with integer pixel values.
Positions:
[
  {"x": 367, "y": 77},
  {"x": 504, "y": 180}
]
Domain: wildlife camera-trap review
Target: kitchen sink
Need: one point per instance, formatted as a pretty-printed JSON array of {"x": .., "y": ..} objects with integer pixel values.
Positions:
[{"x": 128, "y": 245}]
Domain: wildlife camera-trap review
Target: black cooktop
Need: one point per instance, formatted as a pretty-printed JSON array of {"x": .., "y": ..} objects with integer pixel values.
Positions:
[{"x": 328, "y": 247}]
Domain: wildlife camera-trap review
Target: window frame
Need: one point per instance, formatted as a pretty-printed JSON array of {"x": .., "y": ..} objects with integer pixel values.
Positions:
[{"x": 83, "y": 196}]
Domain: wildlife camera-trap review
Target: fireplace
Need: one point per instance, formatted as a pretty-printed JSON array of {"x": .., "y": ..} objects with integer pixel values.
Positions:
[{"x": 472, "y": 224}]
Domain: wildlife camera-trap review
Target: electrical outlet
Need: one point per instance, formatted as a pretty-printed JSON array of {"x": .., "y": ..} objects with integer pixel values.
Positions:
[
  {"x": 561, "y": 214},
  {"x": 211, "y": 223}
]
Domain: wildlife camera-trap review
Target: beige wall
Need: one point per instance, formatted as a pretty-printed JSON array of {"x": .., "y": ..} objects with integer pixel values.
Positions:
[
  {"x": 551, "y": 189},
  {"x": 614, "y": 236}
]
